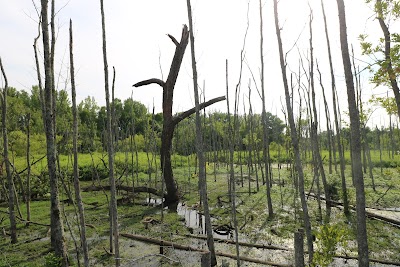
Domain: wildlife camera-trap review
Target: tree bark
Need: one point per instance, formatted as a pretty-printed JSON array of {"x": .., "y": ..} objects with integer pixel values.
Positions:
[
  {"x": 78, "y": 197},
  {"x": 363, "y": 258},
  {"x": 57, "y": 227},
  {"x": 11, "y": 196}
]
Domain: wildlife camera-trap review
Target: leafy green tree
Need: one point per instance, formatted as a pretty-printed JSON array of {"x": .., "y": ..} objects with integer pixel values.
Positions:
[
  {"x": 88, "y": 113},
  {"x": 133, "y": 112},
  {"x": 386, "y": 67},
  {"x": 63, "y": 121}
]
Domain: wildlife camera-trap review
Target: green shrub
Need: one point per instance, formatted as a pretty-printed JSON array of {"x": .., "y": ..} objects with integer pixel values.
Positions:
[
  {"x": 52, "y": 260},
  {"x": 328, "y": 239}
]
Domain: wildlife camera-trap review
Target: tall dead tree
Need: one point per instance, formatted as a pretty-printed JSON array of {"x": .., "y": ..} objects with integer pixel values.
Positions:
[
  {"x": 11, "y": 198},
  {"x": 314, "y": 127},
  {"x": 110, "y": 146},
  {"x": 264, "y": 119},
  {"x": 28, "y": 168},
  {"x": 57, "y": 227},
  {"x": 169, "y": 120},
  {"x": 78, "y": 197},
  {"x": 294, "y": 137},
  {"x": 337, "y": 119},
  {"x": 199, "y": 146},
  {"x": 363, "y": 259}
]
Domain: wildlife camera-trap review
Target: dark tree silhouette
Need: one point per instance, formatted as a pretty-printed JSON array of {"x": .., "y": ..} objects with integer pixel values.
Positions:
[{"x": 170, "y": 121}]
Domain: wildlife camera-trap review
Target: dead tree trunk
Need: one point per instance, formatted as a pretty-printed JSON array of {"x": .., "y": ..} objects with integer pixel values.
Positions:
[
  {"x": 28, "y": 167},
  {"x": 110, "y": 146},
  {"x": 11, "y": 196},
  {"x": 264, "y": 120},
  {"x": 314, "y": 128},
  {"x": 199, "y": 145},
  {"x": 77, "y": 188},
  {"x": 57, "y": 227},
  {"x": 363, "y": 258},
  {"x": 335, "y": 112},
  {"x": 170, "y": 121}
]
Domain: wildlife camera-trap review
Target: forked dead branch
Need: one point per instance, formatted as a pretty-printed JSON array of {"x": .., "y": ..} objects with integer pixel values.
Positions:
[{"x": 169, "y": 120}]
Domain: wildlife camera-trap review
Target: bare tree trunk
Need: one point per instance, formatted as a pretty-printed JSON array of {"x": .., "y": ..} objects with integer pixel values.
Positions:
[
  {"x": 232, "y": 182},
  {"x": 328, "y": 127},
  {"x": 28, "y": 168},
  {"x": 78, "y": 197},
  {"x": 363, "y": 259},
  {"x": 110, "y": 147},
  {"x": 57, "y": 228},
  {"x": 314, "y": 129},
  {"x": 295, "y": 141},
  {"x": 264, "y": 119},
  {"x": 199, "y": 145},
  {"x": 11, "y": 197},
  {"x": 335, "y": 111}
]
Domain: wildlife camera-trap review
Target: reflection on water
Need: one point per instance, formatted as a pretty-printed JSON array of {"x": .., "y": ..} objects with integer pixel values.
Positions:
[{"x": 196, "y": 221}]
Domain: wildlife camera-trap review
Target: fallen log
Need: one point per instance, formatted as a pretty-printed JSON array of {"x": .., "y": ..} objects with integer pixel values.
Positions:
[
  {"x": 188, "y": 248},
  {"x": 139, "y": 189},
  {"x": 369, "y": 214},
  {"x": 371, "y": 260},
  {"x": 227, "y": 241}
]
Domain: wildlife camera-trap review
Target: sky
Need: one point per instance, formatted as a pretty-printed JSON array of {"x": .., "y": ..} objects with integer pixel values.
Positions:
[{"x": 139, "y": 48}]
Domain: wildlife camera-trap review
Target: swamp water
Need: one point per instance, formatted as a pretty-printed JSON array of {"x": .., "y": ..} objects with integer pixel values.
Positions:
[{"x": 195, "y": 221}]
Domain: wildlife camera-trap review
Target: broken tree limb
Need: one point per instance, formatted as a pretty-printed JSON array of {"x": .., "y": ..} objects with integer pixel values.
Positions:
[
  {"x": 150, "y": 81},
  {"x": 384, "y": 194},
  {"x": 181, "y": 116},
  {"x": 25, "y": 221},
  {"x": 32, "y": 164},
  {"x": 173, "y": 39},
  {"x": 188, "y": 248}
]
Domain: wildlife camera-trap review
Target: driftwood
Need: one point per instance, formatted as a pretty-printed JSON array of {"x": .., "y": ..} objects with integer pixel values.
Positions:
[
  {"x": 139, "y": 189},
  {"x": 188, "y": 248}
]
